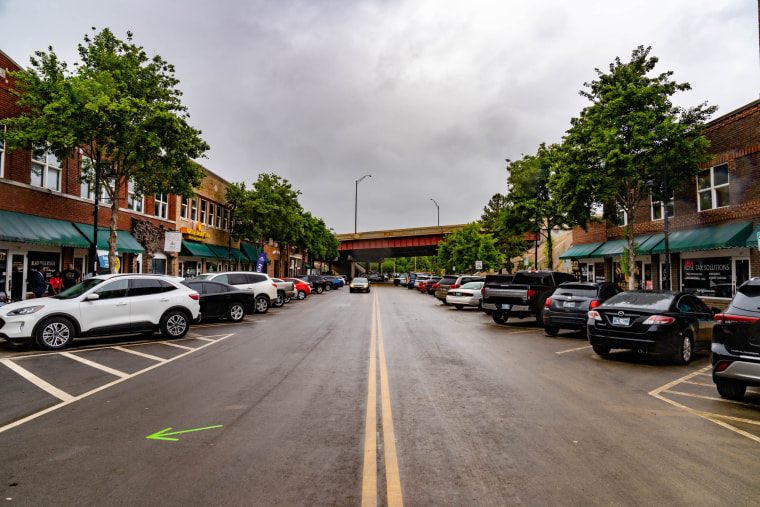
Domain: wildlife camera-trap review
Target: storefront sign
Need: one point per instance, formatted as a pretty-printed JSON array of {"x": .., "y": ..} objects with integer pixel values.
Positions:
[
  {"x": 709, "y": 277},
  {"x": 195, "y": 234},
  {"x": 172, "y": 241}
]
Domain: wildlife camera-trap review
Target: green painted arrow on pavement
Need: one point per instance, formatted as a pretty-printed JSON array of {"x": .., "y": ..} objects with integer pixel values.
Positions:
[{"x": 162, "y": 435}]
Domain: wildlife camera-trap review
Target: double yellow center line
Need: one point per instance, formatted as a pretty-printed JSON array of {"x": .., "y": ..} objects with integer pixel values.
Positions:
[{"x": 369, "y": 480}]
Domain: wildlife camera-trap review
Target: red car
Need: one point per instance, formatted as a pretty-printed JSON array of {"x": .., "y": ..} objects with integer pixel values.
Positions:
[{"x": 302, "y": 288}]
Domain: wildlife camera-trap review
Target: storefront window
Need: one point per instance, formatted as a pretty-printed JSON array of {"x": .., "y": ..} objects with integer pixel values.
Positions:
[
  {"x": 3, "y": 276},
  {"x": 708, "y": 277},
  {"x": 159, "y": 266},
  {"x": 621, "y": 279}
]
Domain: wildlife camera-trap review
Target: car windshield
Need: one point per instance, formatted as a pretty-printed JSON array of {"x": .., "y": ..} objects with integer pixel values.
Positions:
[
  {"x": 472, "y": 285},
  {"x": 360, "y": 280},
  {"x": 651, "y": 300},
  {"x": 79, "y": 289}
]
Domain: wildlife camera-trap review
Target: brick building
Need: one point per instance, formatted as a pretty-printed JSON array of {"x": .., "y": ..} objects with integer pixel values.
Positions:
[{"x": 712, "y": 223}]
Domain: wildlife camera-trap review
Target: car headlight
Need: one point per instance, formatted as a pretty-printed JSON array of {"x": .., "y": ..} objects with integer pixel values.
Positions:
[{"x": 26, "y": 310}]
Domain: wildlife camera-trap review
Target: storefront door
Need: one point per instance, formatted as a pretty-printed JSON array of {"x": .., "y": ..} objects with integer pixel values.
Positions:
[{"x": 17, "y": 277}]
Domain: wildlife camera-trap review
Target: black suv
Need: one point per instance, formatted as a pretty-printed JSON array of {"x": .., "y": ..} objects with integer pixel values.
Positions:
[
  {"x": 318, "y": 283},
  {"x": 736, "y": 343},
  {"x": 568, "y": 307}
]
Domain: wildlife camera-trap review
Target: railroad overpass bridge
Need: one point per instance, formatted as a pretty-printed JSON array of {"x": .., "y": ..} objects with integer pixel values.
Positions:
[{"x": 375, "y": 246}]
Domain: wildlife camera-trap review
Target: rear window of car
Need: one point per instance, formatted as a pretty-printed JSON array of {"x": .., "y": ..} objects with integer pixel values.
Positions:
[
  {"x": 448, "y": 280},
  {"x": 586, "y": 292},
  {"x": 532, "y": 278},
  {"x": 659, "y": 301},
  {"x": 747, "y": 297},
  {"x": 472, "y": 285}
]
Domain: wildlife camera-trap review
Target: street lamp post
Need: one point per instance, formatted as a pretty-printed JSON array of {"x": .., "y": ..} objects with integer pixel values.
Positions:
[
  {"x": 665, "y": 199},
  {"x": 439, "y": 211},
  {"x": 356, "y": 199}
]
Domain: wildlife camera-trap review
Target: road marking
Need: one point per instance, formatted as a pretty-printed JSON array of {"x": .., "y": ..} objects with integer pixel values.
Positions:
[
  {"x": 99, "y": 366},
  {"x": 715, "y": 418},
  {"x": 34, "y": 379},
  {"x": 574, "y": 350},
  {"x": 392, "y": 475},
  {"x": 142, "y": 354},
  {"x": 175, "y": 345},
  {"x": 67, "y": 399}
]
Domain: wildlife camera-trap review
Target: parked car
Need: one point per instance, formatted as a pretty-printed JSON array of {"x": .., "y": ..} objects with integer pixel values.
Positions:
[
  {"x": 359, "y": 285},
  {"x": 523, "y": 295},
  {"x": 221, "y": 300},
  {"x": 401, "y": 279},
  {"x": 568, "y": 307},
  {"x": 736, "y": 343},
  {"x": 102, "y": 305},
  {"x": 285, "y": 291},
  {"x": 333, "y": 282},
  {"x": 264, "y": 289},
  {"x": 432, "y": 285},
  {"x": 467, "y": 295},
  {"x": 318, "y": 282},
  {"x": 443, "y": 286},
  {"x": 654, "y": 322},
  {"x": 417, "y": 278},
  {"x": 301, "y": 287}
]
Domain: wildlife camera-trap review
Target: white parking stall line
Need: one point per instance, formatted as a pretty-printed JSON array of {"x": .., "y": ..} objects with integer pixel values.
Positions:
[
  {"x": 142, "y": 354},
  {"x": 573, "y": 350},
  {"x": 176, "y": 345},
  {"x": 93, "y": 364},
  {"x": 34, "y": 379}
]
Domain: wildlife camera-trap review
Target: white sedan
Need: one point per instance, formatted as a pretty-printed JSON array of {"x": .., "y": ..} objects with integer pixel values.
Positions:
[{"x": 468, "y": 294}]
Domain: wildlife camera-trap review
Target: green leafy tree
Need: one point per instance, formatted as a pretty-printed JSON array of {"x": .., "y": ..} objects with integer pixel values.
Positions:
[
  {"x": 459, "y": 250},
  {"x": 121, "y": 108},
  {"x": 507, "y": 227},
  {"x": 630, "y": 131}
]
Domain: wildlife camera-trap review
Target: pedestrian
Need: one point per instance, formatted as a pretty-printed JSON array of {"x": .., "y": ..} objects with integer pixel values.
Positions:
[
  {"x": 55, "y": 283},
  {"x": 39, "y": 283},
  {"x": 70, "y": 277}
]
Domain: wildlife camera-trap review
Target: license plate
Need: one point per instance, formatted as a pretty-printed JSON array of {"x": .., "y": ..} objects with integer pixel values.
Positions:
[
  {"x": 569, "y": 304},
  {"x": 457, "y": 293},
  {"x": 621, "y": 321},
  {"x": 505, "y": 307}
]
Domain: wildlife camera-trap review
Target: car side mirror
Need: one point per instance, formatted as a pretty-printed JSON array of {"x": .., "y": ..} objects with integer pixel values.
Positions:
[{"x": 92, "y": 297}]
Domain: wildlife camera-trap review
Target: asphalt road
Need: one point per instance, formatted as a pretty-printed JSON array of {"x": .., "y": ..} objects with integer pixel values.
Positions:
[{"x": 461, "y": 411}]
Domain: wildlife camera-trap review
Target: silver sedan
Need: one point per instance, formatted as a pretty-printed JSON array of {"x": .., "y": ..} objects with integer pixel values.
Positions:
[
  {"x": 467, "y": 295},
  {"x": 359, "y": 285}
]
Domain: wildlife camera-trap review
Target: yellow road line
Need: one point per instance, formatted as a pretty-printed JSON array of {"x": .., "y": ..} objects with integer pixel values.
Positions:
[{"x": 369, "y": 480}]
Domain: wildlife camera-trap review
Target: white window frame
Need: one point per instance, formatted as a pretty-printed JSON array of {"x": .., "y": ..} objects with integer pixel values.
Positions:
[
  {"x": 194, "y": 210},
  {"x": 211, "y": 208},
  {"x": 135, "y": 202},
  {"x": 202, "y": 217},
  {"x": 86, "y": 190},
  {"x": 47, "y": 167},
  {"x": 161, "y": 206},
  {"x": 2, "y": 150},
  {"x": 183, "y": 208},
  {"x": 622, "y": 216},
  {"x": 713, "y": 189},
  {"x": 660, "y": 207},
  {"x": 226, "y": 224},
  {"x": 219, "y": 213}
]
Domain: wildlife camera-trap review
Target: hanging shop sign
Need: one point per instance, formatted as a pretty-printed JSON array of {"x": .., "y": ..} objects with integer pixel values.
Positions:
[
  {"x": 172, "y": 241},
  {"x": 196, "y": 234}
]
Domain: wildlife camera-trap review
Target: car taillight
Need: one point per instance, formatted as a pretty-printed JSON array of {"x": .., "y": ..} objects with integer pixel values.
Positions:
[
  {"x": 195, "y": 296},
  {"x": 531, "y": 295},
  {"x": 594, "y": 303},
  {"x": 274, "y": 285},
  {"x": 659, "y": 319},
  {"x": 548, "y": 302},
  {"x": 722, "y": 365},
  {"x": 735, "y": 318},
  {"x": 454, "y": 286},
  {"x": 436, "y": 285},
  {"x": 593, "y": 314}
]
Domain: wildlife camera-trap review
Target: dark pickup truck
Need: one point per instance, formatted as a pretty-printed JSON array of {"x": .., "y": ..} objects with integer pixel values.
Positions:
[{"x": 521, "y": 295}]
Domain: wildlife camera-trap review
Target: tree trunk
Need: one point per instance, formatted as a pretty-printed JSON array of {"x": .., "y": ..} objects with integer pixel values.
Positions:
[
  {"x": 631, "y": 261},
  {"x": 113, "y": 226}
]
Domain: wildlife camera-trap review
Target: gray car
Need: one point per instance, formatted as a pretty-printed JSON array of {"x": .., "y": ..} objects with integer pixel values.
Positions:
[
  {"x": 359, "y": 285},
  {"x": 568, "y": 307}
]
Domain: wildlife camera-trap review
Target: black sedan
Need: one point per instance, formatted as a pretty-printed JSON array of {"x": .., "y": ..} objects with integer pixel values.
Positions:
[
  {"x": 220, "y": 300},
  {"x": 655, "y": 322}
]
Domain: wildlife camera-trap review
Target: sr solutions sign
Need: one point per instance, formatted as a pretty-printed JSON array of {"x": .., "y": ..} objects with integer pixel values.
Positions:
[{"x": 710, "y": 276}]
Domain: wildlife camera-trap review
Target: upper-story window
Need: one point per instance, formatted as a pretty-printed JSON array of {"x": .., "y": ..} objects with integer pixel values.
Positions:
[
  {"x": 135, "y": 201},
  {"x": 203, "y": 212},
  {"x": 46, "y": 171},
  {"x": 659, "y": 207},
  {"x": 161, "y": 206},
  {"x": 218, "y": 216},
  {"x": 226, "y": 220},
  {"x": 2, "y": 150},
  {"x": 211, "y": 208},
  {"x": 86, "y": 188},
  {"x": 183, "y": 207},
  {"x": 194, "y": 210},
  {"x": 621, "y": 216},
  {"x": 712, "y": 188}
]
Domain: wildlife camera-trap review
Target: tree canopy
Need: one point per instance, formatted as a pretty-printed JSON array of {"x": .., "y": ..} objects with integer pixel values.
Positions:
[
  {"x": 459, "y": 250},
  {"x": 121, "y": 108}
]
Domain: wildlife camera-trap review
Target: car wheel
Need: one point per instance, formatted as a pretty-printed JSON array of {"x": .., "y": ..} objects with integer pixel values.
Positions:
[
  {"x": 328, "y": 287},
  {"x": 175, "y": 324},
  {"x": 500, "y": 317},
  {"x": 458, "y": 307},
  {"x": 319, "y": 289},
  {"x": 279, "y": 301},
  {"x": 55, "y": 333},
  {"x": 551, "y": 330},
  {"x": 601, "y": 350},
  {"x": 539, "y": 313},
  {"x": 236, "y": 312},
  {"x": 261, "y": 304},
  {"x": 350, "y": 291},
  {"x": 685, "y": 350},
  {"x": 730, "y": 389},
  {"x": 301, "y": 294}
]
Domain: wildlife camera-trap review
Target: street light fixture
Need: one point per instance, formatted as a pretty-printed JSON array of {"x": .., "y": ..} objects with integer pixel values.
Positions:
[
  {"x": 439, "y": 211},
  {"x": 356, "y": 198}
]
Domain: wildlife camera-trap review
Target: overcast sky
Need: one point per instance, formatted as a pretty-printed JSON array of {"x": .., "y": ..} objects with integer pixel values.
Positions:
[{"x": 428, "y": 96}]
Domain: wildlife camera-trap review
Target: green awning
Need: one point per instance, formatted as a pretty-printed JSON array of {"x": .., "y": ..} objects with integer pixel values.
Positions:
[
  {"x": 647, "y": 243},
  {"x": 610, "y": 249},
  {"x": 581, "y": 251},
  {"x": 250, "y": 251},
  {"x": 752, "y": 238},
  {"x": 23, "y": 228},
  {"x": 709, "y": 238},
  {"x": 199, "y": 250},
  {"x": 222, "y": 253},
  {"x": 125, "y": 242}
]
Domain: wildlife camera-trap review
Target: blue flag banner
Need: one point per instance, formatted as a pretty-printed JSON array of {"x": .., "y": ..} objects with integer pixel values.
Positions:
[{"x": 260, "y": 264}]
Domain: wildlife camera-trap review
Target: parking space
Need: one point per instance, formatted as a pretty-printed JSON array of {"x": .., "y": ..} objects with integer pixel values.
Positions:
[{"x": 36, "y": 383}]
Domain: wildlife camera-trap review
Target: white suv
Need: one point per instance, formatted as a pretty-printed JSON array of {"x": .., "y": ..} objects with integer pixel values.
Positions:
[
  {"x": 264, "y": 289},
  {"x": 101, "y": 305}
]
